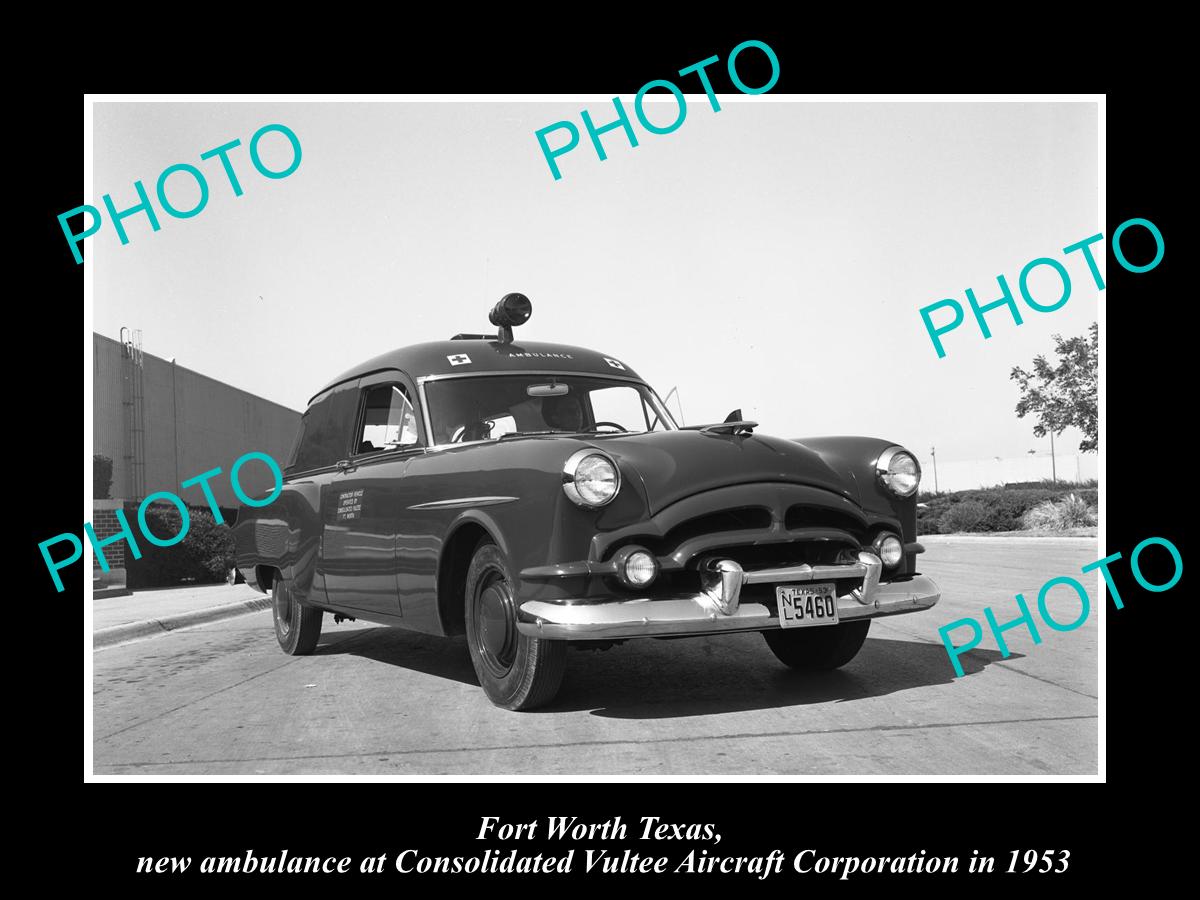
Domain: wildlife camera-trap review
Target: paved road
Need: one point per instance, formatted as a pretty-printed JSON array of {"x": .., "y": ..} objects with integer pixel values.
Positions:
[{"x": 223, "y": 699}]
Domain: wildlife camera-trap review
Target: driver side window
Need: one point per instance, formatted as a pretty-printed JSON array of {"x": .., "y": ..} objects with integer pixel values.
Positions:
[{"x": 389, "y": 421}]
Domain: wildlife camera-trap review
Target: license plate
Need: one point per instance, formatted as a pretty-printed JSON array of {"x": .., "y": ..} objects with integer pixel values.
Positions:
[{"x": 801, "y": 605}]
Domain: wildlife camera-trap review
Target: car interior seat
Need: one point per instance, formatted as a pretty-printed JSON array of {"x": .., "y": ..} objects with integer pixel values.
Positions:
[{"x": 477, "y": 431}]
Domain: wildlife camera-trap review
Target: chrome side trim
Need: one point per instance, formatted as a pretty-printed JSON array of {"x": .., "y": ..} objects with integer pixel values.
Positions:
[
  {"x": 463, "y": 501},
  {"x": 569, "y": 570},
  {"x": 694, "y": 614}
]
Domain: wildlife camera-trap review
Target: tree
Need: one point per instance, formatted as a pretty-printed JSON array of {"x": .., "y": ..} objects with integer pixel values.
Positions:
[
  {"x": 101, "y": 476},
  {"x": 1064, "y": 395}
]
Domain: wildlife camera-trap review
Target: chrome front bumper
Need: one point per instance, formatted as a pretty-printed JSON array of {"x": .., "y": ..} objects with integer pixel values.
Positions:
[{"x": 717, "y": 608}]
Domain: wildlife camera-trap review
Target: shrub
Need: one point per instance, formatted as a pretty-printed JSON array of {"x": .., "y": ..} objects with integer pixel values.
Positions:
[
  {"x": 210, "y": 544},
  {"x": 1071, "y": 511},
  {"x": 101, "y": 477},
  {"x": 1006, "y": 506},
  {"x": 204, "y": 556},
  {"x": 965, "y": 516},
  {"x": 1060, "y": 485}
]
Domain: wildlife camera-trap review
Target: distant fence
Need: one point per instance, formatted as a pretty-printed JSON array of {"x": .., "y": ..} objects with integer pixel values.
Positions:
[{"x": 968, "y": 474}]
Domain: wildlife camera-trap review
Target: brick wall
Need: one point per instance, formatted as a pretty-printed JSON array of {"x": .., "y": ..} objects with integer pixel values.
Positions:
[{"x": 105, "y": 524}]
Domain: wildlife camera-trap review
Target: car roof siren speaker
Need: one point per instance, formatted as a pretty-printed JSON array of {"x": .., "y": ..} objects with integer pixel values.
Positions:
[{"x": 512, "y": 310}]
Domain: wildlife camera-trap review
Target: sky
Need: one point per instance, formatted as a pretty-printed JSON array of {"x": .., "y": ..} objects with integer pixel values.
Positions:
[{"x": 772, "y": 256}]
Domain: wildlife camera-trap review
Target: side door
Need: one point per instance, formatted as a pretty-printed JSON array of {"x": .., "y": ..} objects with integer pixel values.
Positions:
[
  {"x": 361, "y": 506},
  {"x": 323, "y": 439}
]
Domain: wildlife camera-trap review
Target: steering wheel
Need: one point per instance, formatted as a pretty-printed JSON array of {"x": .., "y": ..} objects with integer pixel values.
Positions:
[
  {"x": 469, "y": 431},
  {"x": 620, "y": 428}
]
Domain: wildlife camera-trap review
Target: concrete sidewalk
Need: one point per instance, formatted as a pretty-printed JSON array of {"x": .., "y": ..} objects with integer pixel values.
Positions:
[{"x": 145, "y": 613}]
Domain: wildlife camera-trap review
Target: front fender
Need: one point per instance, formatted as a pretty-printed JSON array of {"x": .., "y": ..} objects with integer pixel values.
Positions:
[{"x": 856, "y": 457}]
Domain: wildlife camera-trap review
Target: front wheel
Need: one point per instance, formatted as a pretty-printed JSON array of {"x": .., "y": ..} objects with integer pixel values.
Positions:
[
  {"x": 516, "y": 671},
  {"x": 820, "y": 648},
  {"x": 297, "y": 627}
]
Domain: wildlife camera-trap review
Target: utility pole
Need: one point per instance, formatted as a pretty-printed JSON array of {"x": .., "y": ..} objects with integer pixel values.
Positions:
[{"x": 933, "y": 455}]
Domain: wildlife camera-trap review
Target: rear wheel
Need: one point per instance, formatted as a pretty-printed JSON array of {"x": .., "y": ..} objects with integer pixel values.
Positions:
[
  {"x": 516, "y": 671},
  {"x": 820, "y": 648},
  {"x": 297, "y": 627}
]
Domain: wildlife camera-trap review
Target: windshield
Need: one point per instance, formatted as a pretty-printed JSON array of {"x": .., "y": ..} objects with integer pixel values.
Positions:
[{"x": 491, "y": 407}]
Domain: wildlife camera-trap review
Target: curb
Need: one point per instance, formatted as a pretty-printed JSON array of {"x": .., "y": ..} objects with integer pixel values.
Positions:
[
  {"x": 105, "y": 593},
  {"x": 1006, "y": 536},
  {"x": 117, "y": 634}
]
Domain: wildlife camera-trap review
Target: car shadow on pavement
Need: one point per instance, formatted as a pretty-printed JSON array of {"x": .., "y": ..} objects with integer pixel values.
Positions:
[
  {"x": 429, "y": 654},
  {"x": 753, "y": 680},
  {"x": 650, "y": 679}
]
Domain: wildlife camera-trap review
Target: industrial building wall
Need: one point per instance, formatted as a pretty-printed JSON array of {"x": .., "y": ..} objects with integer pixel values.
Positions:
[
  {"x": 108, "y": 422},
  {"x": 192, "y": 423}
]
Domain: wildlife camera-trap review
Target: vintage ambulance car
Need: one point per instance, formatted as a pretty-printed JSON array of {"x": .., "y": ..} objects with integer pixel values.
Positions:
[{"x": 536, "y": 495}]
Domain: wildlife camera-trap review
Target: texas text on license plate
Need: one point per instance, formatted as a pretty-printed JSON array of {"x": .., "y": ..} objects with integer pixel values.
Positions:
[{"x": 806, "y": 604}]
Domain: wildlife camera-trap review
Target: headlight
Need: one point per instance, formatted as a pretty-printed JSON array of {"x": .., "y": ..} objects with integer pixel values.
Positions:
[
  {"x": 898, "y": 471},
  {"x": 590, "y": 478}
]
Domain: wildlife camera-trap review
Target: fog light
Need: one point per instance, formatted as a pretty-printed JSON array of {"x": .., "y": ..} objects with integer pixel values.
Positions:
[
  {"x": 890, "y": 550},
  {"x": 636, "y": 567}
]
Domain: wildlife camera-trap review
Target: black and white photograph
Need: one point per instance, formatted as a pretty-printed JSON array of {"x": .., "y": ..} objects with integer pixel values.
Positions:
[{"x": 707, "y": 431}]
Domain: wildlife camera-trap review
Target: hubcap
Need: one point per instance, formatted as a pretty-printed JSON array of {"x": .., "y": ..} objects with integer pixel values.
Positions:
[
  {"x": 283, "y": 610},
  {"x": 495, "y": 623}
]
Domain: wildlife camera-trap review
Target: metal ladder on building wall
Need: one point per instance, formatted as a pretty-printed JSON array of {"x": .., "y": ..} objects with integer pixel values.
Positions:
[{"x": 134, "y": 402}]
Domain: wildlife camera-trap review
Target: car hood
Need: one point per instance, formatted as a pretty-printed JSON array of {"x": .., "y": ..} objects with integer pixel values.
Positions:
[{"x": 676, "y": 464}]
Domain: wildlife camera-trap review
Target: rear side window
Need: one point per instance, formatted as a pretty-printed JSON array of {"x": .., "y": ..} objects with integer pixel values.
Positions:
[{"x": 325, "y": 429}]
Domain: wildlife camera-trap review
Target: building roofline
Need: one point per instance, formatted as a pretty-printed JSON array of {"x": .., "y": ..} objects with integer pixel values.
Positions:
[{"x": 223, "y": 384}]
